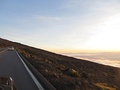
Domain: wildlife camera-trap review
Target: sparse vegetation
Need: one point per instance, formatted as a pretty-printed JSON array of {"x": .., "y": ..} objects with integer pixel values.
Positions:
[
  {"x": 68, "y": 73},
  {"x": 72, "y": 72},
  {"x": 104, "y": 86}
]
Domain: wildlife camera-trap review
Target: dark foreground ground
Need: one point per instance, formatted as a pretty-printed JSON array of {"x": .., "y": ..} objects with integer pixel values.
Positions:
[{"x": 68, "y": 73}]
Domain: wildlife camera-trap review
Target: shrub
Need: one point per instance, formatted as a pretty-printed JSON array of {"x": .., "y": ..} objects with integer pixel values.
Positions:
[
  {"x": 104, "y": 86},
  {"x": 72, "y": 73}
]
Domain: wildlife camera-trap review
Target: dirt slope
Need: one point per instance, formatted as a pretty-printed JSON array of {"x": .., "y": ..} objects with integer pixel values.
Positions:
[{"x": 68, "y": 73}]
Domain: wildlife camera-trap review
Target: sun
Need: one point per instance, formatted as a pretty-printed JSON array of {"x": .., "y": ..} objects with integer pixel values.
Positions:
[{"x": 107, "y": 35}]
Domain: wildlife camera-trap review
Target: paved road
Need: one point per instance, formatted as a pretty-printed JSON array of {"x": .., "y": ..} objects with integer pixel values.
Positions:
[{"x": 11, "y": 65}]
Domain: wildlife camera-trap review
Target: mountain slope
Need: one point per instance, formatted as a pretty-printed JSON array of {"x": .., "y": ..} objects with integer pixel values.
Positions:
[{"x": 68, "y": 73}]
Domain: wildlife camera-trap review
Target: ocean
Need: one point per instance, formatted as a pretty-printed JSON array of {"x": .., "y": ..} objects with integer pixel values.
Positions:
[{"x": 106, "y": 58}]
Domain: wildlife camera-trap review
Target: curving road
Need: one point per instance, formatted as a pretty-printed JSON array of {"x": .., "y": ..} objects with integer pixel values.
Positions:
[{"x": 11, "y": 65}]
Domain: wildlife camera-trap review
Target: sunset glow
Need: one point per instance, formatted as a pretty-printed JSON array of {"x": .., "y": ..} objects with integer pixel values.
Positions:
[
  {"x": 62, "y": 25},
  {"x": 107, "y": 36}
]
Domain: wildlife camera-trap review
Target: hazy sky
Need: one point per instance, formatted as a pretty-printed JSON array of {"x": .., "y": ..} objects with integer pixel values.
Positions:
[{"x": 62, "y": 25}]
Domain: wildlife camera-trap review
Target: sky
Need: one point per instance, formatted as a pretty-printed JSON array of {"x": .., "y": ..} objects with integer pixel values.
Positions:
[{"x": 62, "y": 25}]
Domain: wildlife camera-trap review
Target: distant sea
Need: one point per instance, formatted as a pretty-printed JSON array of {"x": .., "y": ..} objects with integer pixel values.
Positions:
[{"x": 106, "y": 58}]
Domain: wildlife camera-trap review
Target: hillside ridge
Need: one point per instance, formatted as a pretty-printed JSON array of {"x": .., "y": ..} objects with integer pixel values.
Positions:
[{"x": 68, "y": 73}]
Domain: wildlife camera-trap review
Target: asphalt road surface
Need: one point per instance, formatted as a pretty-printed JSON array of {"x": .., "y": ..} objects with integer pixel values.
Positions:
[{"x": 11, "y": 65}]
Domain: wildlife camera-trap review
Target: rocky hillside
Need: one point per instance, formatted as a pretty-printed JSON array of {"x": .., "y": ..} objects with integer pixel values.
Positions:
[{"x": 68, "y": 73}]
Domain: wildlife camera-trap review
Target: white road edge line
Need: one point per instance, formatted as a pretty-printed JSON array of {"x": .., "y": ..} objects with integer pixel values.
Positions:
[{"x": 33, "y": 77}]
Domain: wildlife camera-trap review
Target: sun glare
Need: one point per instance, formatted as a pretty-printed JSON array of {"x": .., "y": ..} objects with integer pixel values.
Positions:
[{"x": 108, "y": 35}]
